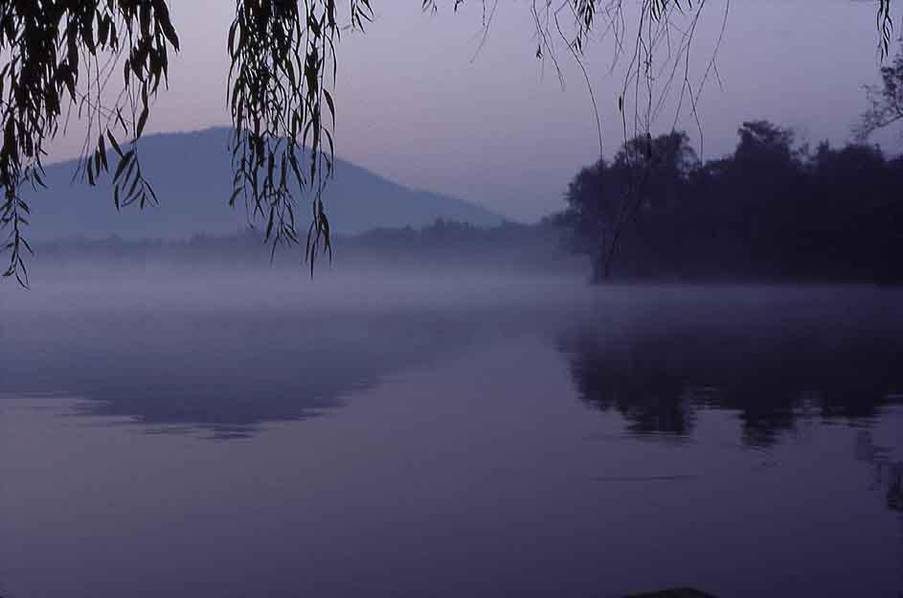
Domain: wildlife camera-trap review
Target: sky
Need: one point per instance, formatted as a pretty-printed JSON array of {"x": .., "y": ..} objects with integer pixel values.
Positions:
[{"x": 423, "y": 101}]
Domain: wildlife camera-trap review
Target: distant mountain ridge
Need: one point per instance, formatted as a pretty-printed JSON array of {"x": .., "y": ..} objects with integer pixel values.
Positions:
[{"x": 191, "y": 174}]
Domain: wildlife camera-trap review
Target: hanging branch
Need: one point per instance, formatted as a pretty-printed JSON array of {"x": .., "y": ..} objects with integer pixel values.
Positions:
[
  {"x": 62, "y": 54},
  {"x": 59, "y": 53},
  {"x": 281, "y": 84}
]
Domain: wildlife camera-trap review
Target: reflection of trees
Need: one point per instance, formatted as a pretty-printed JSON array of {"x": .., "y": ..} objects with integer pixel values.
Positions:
[
  {"x": 649, "y": 392},
  {"x": 656, "y": 377},
  {"x": 888, "y": 473},
  {"x": 895, "y": 488},
  {"x": 227, "y": 372}
]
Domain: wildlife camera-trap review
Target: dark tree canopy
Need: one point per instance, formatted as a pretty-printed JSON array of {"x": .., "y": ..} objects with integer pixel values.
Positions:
[
  {"x": 107, "y": 60},
  {"x": 770, "y": 211}
]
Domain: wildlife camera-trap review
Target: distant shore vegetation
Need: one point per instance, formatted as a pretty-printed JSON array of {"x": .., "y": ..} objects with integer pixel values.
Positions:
[{"x": 772, "y": 211}]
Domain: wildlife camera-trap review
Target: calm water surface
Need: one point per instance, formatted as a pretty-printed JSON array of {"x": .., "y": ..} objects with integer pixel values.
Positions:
[{"x": 525, "y": 439}]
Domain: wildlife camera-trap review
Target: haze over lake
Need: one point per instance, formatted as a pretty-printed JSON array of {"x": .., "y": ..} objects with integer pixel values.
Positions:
[
  {"x": 255, "y": 433},
  {"x": 451, "y": 299}
]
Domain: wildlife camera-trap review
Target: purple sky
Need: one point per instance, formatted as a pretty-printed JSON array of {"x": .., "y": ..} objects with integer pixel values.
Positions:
[{"x": 415, "y": 106}]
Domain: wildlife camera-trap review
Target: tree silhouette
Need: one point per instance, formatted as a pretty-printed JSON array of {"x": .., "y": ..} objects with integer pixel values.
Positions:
[
  {"x": 604, "y": 201},
  {"x": 886, "y": 101},
  {"x": 770, "y": 211},
  {"x": 60, "y": 54}
]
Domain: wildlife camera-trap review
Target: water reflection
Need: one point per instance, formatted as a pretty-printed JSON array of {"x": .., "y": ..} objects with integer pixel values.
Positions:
[
  {"x": 480, "y": 473},
  {"x": 655, "y": 355},
  {"x": 888, "y": 473},
  {"x": 771, "y": 363},
  {"x": 225, "y": 372}
]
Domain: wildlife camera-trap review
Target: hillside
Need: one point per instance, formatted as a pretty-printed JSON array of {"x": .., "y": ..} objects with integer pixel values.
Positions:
[{"x": 191, "y": 174}]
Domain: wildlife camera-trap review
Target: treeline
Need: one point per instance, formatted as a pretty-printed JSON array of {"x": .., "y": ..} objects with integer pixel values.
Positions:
[
  {"x": 772, "y": 211},
  {"x": 507, "y": 246},
  {"x": 443, "y": 244}
]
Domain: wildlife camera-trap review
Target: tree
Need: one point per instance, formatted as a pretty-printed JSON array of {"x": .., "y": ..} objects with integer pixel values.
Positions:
[
  {"x": 770, "y": 211},
  {"x": 647, "y": 175},
  {"x": 63, "y": 53},
  {"x": 886, "y": 101},
  {"x": 763, "y": 143}
]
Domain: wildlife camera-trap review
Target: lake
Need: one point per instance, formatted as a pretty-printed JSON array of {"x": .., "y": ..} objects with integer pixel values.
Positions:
[{"x": 448, "y": 436}]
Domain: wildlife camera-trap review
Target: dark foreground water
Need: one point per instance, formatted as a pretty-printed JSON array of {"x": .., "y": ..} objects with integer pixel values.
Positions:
[{"x": 519, "y": 439}]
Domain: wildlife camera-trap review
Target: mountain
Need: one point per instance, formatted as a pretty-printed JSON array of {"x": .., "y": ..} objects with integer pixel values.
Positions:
[{"x": 191, "y": 174}]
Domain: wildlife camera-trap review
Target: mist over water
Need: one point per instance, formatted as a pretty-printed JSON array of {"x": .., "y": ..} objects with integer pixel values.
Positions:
[
  {"x": 235, "y": 349},
  {"x": 417, "y": 431},
  {"x": 623, "y": 321}
]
